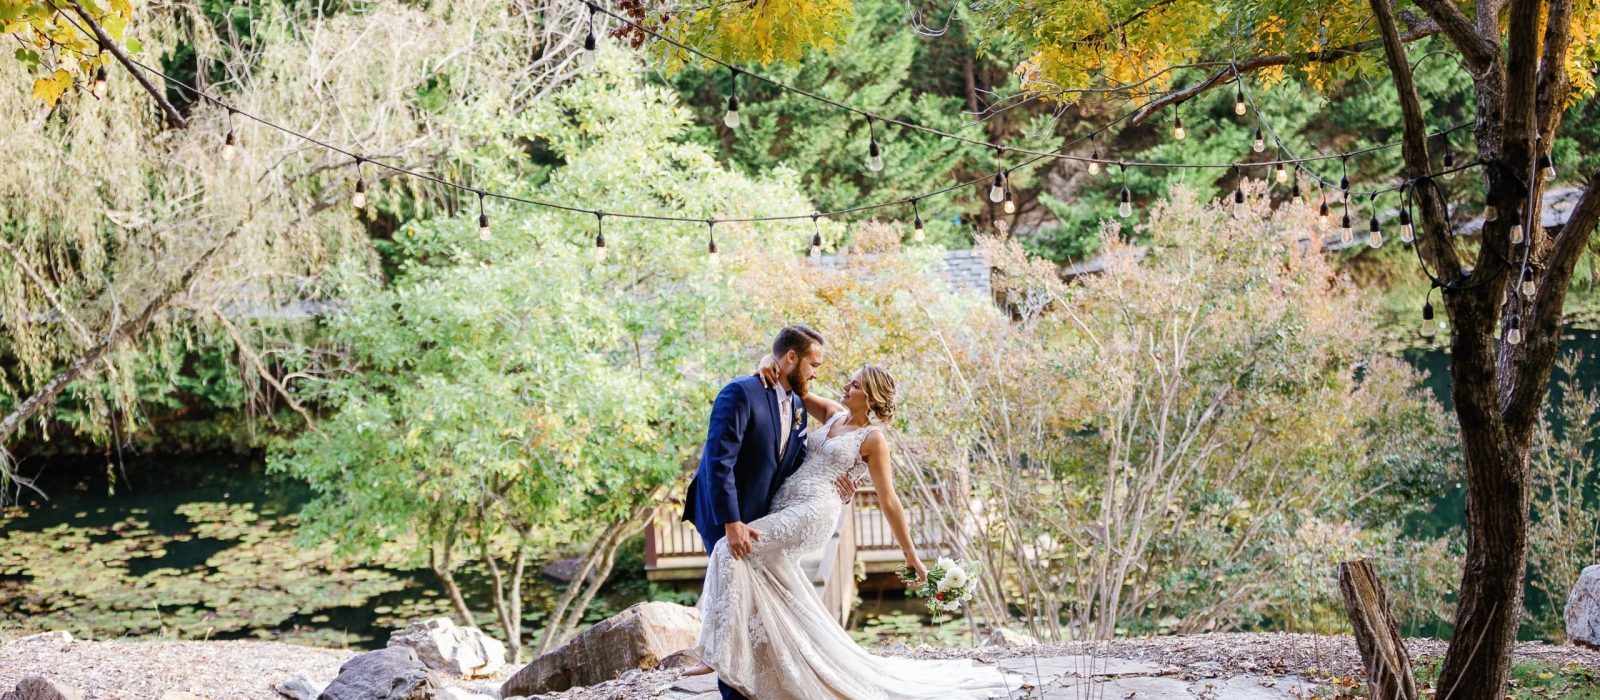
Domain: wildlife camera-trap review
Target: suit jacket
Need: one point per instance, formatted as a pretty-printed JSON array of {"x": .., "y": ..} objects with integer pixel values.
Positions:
[{"x": 740, "y": 469}]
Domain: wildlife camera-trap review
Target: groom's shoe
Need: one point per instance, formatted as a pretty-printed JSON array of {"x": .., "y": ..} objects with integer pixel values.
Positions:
[{"x": 729, "y": 693}]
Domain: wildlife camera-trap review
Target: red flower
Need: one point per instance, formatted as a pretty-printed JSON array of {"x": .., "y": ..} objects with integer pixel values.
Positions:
[{"x": 938, "y": 596}]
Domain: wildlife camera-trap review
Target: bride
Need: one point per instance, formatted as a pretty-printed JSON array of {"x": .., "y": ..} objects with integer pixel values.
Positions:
[{"x": 763, "y": 628}]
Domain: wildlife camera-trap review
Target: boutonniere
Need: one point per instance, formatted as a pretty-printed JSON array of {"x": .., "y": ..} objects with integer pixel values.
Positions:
[{"x": 799, "y": 419}]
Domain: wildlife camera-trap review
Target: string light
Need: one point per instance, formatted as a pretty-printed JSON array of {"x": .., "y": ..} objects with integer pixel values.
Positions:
[
  {"x": 997, "y": 190},
  {"x": 1238, "y": 186},
  {"x": 230, "y": 145},
  {"x": 101, "y": 85},
  {"x": 599, "y": 237},
  {"x": 731, "y": 119},
  {"x": 1282, "y": 173},
  {"x": 483, "y": 220},
  {"x": 1294, "y": 192},
  {"x": 1177, "y": 128},
  {"x": 1322, "y": 210},
  {"x": 1517, "y": 232},
  {"x": 1374, "y": 231},
  {"x": 1430, "y": 326},
  {"x": 1529, "y": 288},
  {"x": 1260, "y": 144},
  {"x": 711, "y": 243},
  {"x": 1449, "y": 160},
  {"x": 816, "y": 238},
  {"x": 359, "y": 198},
  {"x": 589, "y": 42},
  {"x": 1347, "y": 233},
  {"x": 1238, "y": 100},
  {"x": 1344, "y": 179},
  {"x": 874, "y": 154},
  {"x": 1513, "y": 331},
  {"x": 1125, "y": 209},
  {"x": 1549, "y": 166},
  {"x": 1407, "y": 234},
  {"x": 1094, "y": 158},
  {"x": 1010, "y": 205},
  {"x": 1490, "y": 212}
]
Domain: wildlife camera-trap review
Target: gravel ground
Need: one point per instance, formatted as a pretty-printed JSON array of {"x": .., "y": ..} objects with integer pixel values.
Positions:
[{"x": 224, "y": 670}]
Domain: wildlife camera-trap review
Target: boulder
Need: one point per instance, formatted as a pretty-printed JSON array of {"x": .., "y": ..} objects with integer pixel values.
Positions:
[
  {"x": 300, "y": 688},
  {"x": 386, "y": 674},
  {"x": 636, "y": 638},
  {"x": 1583, "y": 608},
  {"x": 38, "y": 688},
  {"x": 452, "y": 693},
  {"x": 682, "y": 659},
  {"x": 460, "y": 651},
  {"x": 1002, "y": 637}
]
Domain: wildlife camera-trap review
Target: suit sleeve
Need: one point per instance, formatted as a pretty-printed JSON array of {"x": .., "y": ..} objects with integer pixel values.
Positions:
[{"x": 729, "y": 416}]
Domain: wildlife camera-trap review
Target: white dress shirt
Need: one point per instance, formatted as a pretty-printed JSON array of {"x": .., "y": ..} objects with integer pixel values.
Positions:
[{"x": 785, "y": 416}]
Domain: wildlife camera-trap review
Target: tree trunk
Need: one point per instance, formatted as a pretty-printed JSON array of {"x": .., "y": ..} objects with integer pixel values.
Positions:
[{"x": 1377, "y": 635}]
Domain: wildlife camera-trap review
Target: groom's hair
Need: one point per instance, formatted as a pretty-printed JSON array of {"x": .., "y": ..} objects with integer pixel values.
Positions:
[{"x": 798, "y": 338}]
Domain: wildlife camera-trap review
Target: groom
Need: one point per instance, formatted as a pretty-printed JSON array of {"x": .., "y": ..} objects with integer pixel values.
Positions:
[{"x": 756, "y": 440}]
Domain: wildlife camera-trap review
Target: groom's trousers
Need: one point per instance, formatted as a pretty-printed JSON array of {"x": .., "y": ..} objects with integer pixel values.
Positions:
[{"x": 729, "y": 693}]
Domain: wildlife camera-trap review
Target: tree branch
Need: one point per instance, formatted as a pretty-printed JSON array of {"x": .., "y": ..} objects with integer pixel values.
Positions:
[
  {"x": 1435, "y": 242},
  {"x": 1256, "y": 63},
  {"x": 1478, "y": 51},
  {"x": 1543, "y": 323},
  {"x": 107, "y": 44},
  {"x": 133, "y": 327},
  {"x": 1554, "y": 87}
]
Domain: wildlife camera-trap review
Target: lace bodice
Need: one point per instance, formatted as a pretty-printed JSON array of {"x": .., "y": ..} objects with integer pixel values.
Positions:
[{"x": 826, "y": 459}]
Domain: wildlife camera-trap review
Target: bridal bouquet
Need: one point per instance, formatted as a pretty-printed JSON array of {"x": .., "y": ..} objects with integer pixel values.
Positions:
[{"x": 949, "y": 583}]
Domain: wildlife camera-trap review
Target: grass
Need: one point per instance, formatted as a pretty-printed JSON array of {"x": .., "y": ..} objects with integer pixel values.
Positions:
[{"x": 1530, "y": 680}]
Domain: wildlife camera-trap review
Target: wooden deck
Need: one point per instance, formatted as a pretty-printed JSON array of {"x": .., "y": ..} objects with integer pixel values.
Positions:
[{"x": 861, "y": 541}]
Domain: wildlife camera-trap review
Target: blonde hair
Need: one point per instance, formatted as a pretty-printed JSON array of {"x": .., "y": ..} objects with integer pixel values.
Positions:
[{"x": 878, "y": 386}]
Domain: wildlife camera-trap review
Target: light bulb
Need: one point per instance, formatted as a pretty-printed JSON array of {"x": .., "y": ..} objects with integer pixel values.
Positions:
[
  {"x": 917, "y": 233},
  {"x": 599, "y": 247},
  {"x": 100, "y": 83},
  {"x": 1430, "y": 326},
  {"x": 1238, "y": 103},
  {"x": 1126, "y": 208},
  {"x": 997, "y": 191},
  {"x": 816, "y": 245},
  {"x": 731, "y": 119},
  {"x": 1010, "y": 205},
  {"x": 874, "y": 156},
  {"x": 1283, "y": 174},
  {"x": 1094, "y": 163},
  {"x": 712, "y": 258},
  {"x": 359, "y": 198},
  {"x": 1238, "y": 195},
  {"x": 1322, "y": 212},
  {"x": 1491, "y": 212},
  {"x": 1513, "y": 333},
  {"x": 1375, "y": 239},
  {"x": 1449, "y": 163},
  {"x": 1260, "y": 142},
  {"x": 230, "y": 147},
  {"x": 483, "y": 227},
  {"x": 1549, "y": 165},
  {"x": 1295, "y": 193},
  {"x": 1516, "y": 234},
  {"x": 1177, "y": 128},
  {"x": 1529, "y": 289},
  {"x": 1406, "y": 233}
]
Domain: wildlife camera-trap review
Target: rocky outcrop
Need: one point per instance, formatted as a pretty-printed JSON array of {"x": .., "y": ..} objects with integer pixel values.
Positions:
[
  {"x": 394, "y": 673},
  {"x": 40, "y": 688},
  {"x": 460, "y": 651},
  {"x": 1002, "y": 637},
  {"x": 636, "y": 638},
  {"x": 1583, "y": 608}
]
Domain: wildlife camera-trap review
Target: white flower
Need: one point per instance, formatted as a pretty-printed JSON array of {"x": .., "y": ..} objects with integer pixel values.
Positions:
[
  {"x": 943, "y": 584},
  {"x": 956, "y": 578},
  {"x": 953, "y": 605},
  {"x": 945, "y": 563}
]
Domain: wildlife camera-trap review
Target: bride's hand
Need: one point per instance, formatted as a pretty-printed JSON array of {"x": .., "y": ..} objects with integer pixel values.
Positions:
[
  {"x": 768, "y": 371},
  {"x": 916, "y": 565}
]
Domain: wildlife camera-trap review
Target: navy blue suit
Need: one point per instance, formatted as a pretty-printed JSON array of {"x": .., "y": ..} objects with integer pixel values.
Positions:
[{"x": 740, "y": 468}]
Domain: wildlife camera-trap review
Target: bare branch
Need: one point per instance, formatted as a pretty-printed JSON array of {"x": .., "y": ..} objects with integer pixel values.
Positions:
[{"x": 1554, "y": 86}]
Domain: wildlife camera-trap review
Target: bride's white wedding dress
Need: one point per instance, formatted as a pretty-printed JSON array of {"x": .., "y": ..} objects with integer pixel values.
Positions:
[{"x": 764, "y": 629}]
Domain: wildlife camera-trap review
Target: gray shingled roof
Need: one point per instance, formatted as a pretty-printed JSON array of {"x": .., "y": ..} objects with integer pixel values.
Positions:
[{"x": 962, "y": 269}]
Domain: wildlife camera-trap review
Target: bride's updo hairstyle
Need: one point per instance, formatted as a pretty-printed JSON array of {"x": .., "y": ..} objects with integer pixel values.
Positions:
[{"x": 878, "y": 385}]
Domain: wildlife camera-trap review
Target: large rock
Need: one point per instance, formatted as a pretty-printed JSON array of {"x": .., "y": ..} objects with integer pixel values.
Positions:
[
  {"x": 38, "y": 688},
  {"x": 1002, "y": 637},
  {"x": 1583, "y": 608},
  {"x": 639, "y": 637},
  {"x": 386, "y": 674},
  {"x": 461, "y": 651}
]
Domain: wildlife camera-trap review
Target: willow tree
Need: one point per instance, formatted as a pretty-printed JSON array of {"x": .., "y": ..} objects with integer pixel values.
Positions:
[
  {"x": 138, "y": 217},
  {"x": 1503, "y": 295}
]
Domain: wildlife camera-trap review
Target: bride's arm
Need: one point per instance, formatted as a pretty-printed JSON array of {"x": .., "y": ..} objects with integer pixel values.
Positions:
[
  {"x": 819, "y": 408},
  {"x": 875, "y": 449}
]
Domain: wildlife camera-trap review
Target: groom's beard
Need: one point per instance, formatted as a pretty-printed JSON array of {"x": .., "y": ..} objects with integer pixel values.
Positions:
[{"x": 797, "y": 382}]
